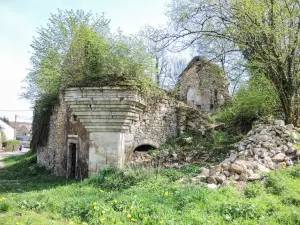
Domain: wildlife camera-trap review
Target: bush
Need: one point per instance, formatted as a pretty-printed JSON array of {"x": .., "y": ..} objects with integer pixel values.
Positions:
[
  {"x": 116, "y": 179},
  {"x": 241, "y": 209},
  {"x": 11, "y": 145},
  {"x": 257, "y": 100},
  {"x": 295, "y": 172},
  {"x": 275, "y": 184},
  {"x": 253, "y": 190},
  {"x": 4, "y": 206}
]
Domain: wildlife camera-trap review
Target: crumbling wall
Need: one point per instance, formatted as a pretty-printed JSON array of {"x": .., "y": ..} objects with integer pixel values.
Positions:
[
  {"x": 203, "y": 85},
  {"x": 105, "y": 115},
  {"x": 164, "y": 117},
  {"x": 54, "y": 154}
]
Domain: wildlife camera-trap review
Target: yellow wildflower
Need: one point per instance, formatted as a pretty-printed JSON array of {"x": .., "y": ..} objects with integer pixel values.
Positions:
[
  {"x": 95, "y": 207},
  {"x": 283, "y": 165},
  {"x": 115, "y": 201},
  {"x": 166, "y": 193},
  {"x": 101, "y": 220},
  {"x": 129, "y": 215}
]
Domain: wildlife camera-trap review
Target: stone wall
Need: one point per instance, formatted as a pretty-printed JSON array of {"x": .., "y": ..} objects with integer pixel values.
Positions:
[
  {"x": 203, "y": 85},
  {"x": 107, "y": 124},
  {"x": 54, "y": 154}
]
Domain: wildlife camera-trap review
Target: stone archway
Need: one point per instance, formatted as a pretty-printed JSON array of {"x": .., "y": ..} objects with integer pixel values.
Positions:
[{"x": 146, "y": 144}]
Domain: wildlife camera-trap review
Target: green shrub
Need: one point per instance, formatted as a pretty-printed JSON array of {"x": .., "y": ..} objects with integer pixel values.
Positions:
[
  {"x": 11, "y": 145},
  {"x": 4, "y": 206},
  {"x": 233, "y": 211},
  {"x": 116, "y": 179},
  {"x": 253, "y": 190},
  {"x": 275, "y": 184},
  {"x": 172, "y": 174},
  {"x": 295, "y": 172},
  {"x": 257, "y": 100}
]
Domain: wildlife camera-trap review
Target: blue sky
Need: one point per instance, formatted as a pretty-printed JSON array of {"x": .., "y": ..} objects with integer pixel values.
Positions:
[{"x": 20, "y": 18}]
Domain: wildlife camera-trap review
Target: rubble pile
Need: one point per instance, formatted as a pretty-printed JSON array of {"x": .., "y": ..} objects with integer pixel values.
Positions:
[{"x": 265, "y": 148}]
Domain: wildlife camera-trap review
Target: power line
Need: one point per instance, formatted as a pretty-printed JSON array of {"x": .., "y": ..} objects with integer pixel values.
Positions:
[{"x": 17, "y": 110}]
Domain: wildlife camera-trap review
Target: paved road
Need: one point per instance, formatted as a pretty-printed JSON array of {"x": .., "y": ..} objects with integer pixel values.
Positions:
[{"x": 4, "y": 154}]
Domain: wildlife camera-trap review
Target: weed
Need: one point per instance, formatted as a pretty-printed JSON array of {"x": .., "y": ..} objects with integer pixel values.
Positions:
[
  {"x": 253, "y": 190},
  {"x": 233, "y": 211},
  {"x": 275, "y": 184}
]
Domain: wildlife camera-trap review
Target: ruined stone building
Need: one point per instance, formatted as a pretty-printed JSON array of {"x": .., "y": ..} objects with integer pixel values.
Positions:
[
  {"x": 97, "y": 127},
  {"x": 203, "y": 85}
]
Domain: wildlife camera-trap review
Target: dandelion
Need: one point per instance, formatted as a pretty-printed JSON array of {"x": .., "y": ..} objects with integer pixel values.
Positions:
[
  {"x": 95, "y": 207},
  {"x": 129, "y": 216},
  {"x": 101, "y": 220},
  {"x": 115, "y": 201},
  {"x": 166, "y": 193},
  {"x": 283, "y": 165}
]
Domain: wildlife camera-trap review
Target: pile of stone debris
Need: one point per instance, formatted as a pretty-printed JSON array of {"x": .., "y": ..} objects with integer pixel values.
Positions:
[{"x": 266, "y": 147}]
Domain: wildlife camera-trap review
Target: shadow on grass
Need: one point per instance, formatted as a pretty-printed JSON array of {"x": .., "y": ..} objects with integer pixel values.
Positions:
[{"x": 22, "y": 174}]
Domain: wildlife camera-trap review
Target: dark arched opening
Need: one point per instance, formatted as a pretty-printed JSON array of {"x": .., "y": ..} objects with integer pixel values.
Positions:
[{"x": 144, "y": 148}]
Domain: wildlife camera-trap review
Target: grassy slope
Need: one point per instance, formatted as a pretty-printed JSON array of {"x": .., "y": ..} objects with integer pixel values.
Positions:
[{"x": 141, "y": 197}]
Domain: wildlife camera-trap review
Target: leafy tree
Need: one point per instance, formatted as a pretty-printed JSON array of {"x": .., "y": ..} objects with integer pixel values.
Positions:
[
  {"x": 265, "y": 32},
  {"x": 51, "y": 46},
  {"x": 256, "y": 100},
  {"x": 77, "y": 49}
]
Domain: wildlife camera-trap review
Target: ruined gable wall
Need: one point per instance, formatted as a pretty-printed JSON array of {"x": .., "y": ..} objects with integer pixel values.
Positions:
[{"x": 203, "y": 86}]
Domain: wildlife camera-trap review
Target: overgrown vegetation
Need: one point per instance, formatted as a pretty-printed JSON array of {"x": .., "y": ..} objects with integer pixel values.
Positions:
[
  {"x": 211, "y": 148},
  {"x": 30, "y": 195},
  {"x": 255, "y": 101},
  {"x": 77, "y": 49}
]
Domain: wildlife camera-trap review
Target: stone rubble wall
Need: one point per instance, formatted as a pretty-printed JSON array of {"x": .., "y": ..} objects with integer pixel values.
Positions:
[
  {"x": 162, "y": 117},
  {"x": 203, "y": 85},
  {"x": 266, "y": 148},
  {"x": 165, "y": 117},
  {"x": 54, "y": 154}
]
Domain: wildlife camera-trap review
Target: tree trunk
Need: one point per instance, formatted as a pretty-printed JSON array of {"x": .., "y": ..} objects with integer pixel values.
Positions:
[{"x": 287, "y": 103}]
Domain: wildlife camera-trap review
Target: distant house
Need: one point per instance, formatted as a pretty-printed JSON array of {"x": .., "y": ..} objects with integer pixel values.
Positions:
[
  {"x": 7, "y": 130},
  {"x": 23, "y": 129}
]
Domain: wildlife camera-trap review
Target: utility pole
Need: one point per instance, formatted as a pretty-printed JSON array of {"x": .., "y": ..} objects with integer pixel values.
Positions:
[{"x": 15, "y": 130}]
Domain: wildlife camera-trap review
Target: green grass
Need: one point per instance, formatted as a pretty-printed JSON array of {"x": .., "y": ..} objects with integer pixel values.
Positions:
[{"x": 141, "y": 196}]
